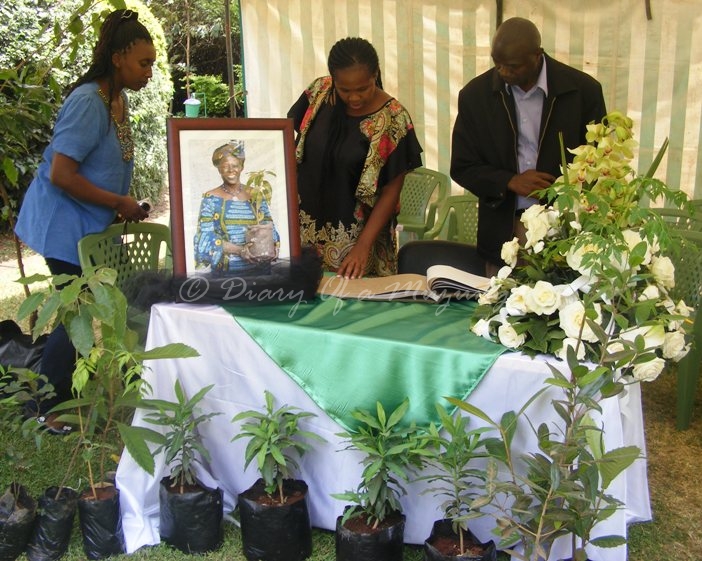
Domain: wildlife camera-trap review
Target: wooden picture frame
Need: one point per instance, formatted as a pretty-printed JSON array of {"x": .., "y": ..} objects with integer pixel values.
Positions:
[{"x": 269, "y": 147}]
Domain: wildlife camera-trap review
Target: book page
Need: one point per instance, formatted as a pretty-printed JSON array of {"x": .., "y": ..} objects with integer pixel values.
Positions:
[
  {"x": 393, "y": 287},
  {"x": 445, "y": 277}
]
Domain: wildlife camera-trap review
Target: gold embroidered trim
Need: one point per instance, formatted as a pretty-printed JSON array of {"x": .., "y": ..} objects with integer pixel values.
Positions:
[{"x": 124, "y": 129}]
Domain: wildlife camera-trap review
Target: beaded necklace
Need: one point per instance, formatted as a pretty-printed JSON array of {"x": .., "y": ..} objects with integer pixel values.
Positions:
[{"x": 124, "y": 129}]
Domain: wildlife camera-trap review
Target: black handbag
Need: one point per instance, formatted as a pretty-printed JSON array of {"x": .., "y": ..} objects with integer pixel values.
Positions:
[{"x": 17, "y": 349}]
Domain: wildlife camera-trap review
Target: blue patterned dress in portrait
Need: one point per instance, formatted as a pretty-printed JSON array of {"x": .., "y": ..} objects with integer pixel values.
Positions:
[{"x": 223, "y": 220}]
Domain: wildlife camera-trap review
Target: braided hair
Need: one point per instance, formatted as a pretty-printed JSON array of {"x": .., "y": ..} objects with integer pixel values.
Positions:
[
  {"x": 120, "y": 30},
  {"x": 344, "y": 54}
]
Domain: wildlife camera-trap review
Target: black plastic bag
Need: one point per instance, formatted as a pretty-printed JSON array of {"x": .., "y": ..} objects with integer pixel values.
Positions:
[
  {"x": 444, "y": 528},
  {"x": 275, "y": 532},
  {"x": 384, "y": 544},
  {"x": 101, "y": 525},
  {"x": 191, "y": 521},
  {"x": 17, "y": 512},
  {"x": 53, "y": 525},
  {"x": 17, "y": 350}
]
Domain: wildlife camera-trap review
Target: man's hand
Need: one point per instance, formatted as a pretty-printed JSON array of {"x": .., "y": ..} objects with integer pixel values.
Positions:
[{"x": 531, "y": 180}]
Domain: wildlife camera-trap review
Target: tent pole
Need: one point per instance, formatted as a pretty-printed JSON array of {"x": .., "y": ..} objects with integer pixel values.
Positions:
[{"x": 230, "y": 56}]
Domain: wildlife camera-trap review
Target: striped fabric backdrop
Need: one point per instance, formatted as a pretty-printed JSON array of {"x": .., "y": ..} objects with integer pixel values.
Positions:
[{"x": 650, "y": 69}]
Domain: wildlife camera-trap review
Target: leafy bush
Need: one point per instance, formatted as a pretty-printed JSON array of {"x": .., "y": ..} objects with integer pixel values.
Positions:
[
  {"x": 216, "y": 94},
  {"x": 44, "y": 50}
]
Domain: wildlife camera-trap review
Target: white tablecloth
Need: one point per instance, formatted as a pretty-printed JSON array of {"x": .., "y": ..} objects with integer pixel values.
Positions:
[{"x": 241, "y": 371}]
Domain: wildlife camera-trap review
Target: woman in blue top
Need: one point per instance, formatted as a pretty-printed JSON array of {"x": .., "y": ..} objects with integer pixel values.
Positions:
[{"x": 82, "y": 183}]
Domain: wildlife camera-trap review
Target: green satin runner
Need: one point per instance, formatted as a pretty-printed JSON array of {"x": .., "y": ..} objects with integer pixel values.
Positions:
[{"x": 348, "y": 354}]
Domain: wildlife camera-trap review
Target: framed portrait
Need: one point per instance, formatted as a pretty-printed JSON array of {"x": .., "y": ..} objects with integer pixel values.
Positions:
[{"x": 225, "y": 176}]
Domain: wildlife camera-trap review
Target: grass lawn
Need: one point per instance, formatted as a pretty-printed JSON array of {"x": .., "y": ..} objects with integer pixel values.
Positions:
[{"x": 674, "y": 463}]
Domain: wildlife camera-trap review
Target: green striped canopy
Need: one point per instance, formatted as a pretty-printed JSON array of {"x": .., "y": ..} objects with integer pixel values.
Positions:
[{"x": 649, "y": 69}]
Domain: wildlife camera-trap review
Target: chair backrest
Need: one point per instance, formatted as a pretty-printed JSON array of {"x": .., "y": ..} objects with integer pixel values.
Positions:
[
  {"x": 458, "y": 220},
  {"x": 463, "y": 226},
  {"x": 688, "y": 262},
  {"x": 129, "y": 249},
  {"x": 421, "y": 190},
  {"x": 688, "y": 268}
]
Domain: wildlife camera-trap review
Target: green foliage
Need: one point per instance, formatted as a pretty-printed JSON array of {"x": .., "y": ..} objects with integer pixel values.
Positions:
[
  {"x": 19, "y": 387},
  {"x": 560, "y": 489},
  {"x": 275, "y": 438},
  {"x": 216, "y": 94},
  {"x": 453, "y": 477},
  {"x": 148, "y": 110},
  {"x": 260, "y": 186},
  {"x": 391, "y": 452},
  {"x": 181, "y": 443},
  {"x": 45, "y": 49},
  {"x": 107, "y": 381}
]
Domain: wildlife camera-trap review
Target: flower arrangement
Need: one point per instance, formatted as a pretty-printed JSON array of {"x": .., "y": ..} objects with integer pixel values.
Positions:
[{"x": 593, "y": 276}]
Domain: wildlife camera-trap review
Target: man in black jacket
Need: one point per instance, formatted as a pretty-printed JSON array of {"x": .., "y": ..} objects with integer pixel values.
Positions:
[{"x": 505, "y": 140}]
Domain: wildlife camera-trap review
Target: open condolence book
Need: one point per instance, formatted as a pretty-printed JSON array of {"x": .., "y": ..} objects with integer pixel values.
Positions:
[{"x": 441, "y": 282}]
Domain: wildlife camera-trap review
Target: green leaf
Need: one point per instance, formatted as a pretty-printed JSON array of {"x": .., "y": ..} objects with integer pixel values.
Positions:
[
  {"x": 135, "y": 440},
  {"x": 80, "y": 331},
  {"x": 398, "y": 414},
  {"x": 171, "y": 350},
  {"x": 616, "y": 461},
  {"x": 608, "y": 541},
  {"x": 471, "y": 409}
]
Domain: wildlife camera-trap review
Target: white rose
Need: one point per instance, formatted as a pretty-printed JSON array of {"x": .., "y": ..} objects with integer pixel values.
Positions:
[
  {"x": 569, "y": 342},
  {"x": 683, "y": 309},
  {"x": 663, "y": 271},
  {"x": 516, "y": 302},
  {"x": 651, "y": 292},
  {"x": 510, "y": 251},
  {"x": 615, "y": 347},
  {"x": 575, "y": 256},
  {"x": 680, "y": 309},
  {"x": 509, "y": 337},
  {"x": 654, "y": 335},
  {"x": 481, "y": 328},
  {"x": 572, "y": 319},
  {"x": 539, "y": 223},
  {"x": 543, "y": 299},
  {"x": 648, "y": 371},
  {"x": 674, "y": 346},
  {"x": 632, "y": 239},
  {"x": 490, "y": 296}
]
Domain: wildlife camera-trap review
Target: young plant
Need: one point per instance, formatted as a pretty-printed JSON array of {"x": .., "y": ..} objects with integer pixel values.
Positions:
[
  {"x": 559, "y": 490},
  {"x": 18, "y": 387},
  {"x": 455, "y": 479},
  {"x": 275, "y": 437},
  {"x": 181, "y": 441},
  {"x": 260, "y": 186},
  {"x": 107, "y": 382},
  {"x": 391, "y": 451}
]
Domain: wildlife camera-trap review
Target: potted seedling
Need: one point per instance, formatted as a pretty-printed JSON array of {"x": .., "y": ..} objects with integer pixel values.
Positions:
[
  {"x": 106, "y": 385},
  {"x": 191, "y": 513},
  {"x": 372, "y": 528},
  {"x": 452, "y": 476},
  {"x": 17, "y": 507},
  {"x": 275, "y": 522}
]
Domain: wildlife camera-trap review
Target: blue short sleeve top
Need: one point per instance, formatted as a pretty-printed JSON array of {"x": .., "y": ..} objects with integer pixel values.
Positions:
[{"x": 51, "y": 221}]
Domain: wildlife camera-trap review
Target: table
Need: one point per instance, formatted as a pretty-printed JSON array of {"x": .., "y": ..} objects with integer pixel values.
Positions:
[{"x": 241, "y": 371}]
